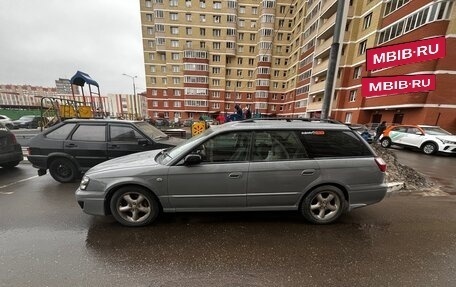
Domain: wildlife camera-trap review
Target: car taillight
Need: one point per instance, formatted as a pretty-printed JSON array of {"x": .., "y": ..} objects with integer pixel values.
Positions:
[
  {"x": 381, "y": 163},
  {"x": 12, "y": 139},
  {"x": 29, "y": 151}
]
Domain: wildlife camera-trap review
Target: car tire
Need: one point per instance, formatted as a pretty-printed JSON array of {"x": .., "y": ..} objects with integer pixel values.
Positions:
[
  {"x": 323, "y": 205},
  {"x": 385, "y": 142},
  {"x": 429, "y": 148},
  {"x": 10, "y": 164},
  {"x": 134, "y": 206},
  {"x": 63, "y": 170}
]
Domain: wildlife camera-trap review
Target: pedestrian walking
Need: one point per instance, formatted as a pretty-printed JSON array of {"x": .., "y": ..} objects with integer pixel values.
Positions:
[{"x": 379, "y": 131}]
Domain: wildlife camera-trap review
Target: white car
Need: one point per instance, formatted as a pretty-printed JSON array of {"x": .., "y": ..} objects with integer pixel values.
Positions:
[
  {"x": 429, "y": 139},
  {"x": 6, "y": 121}
]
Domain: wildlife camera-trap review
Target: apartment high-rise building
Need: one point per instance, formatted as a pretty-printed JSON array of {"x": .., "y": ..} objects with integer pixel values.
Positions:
[{"x": 202, "y": 57}]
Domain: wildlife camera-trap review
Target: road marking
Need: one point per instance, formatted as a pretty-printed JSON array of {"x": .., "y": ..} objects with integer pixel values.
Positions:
[{"x": 13, "y": 183}]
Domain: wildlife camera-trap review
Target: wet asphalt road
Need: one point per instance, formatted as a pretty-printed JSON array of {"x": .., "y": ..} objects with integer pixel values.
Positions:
[{"x": 46, "y": 240}]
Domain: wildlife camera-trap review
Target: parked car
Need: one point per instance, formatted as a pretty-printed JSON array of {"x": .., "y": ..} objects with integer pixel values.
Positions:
[
  {"x": 10, "y": 149},
  {"x": 366, "y": 133},
  {"x": 28, "y": 122},
  {"x": 188, "y": 123},
  {"x": 73, "y": 146},
  {"x": 7, "y": 122},
  {"x": 317, "y": 168},
  {"x": 161, "y": 122},
  {"x": 429, "y": 139}
]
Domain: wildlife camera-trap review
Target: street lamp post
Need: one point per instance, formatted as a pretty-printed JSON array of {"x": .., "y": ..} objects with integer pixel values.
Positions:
[{"x": 135, "y": 110}]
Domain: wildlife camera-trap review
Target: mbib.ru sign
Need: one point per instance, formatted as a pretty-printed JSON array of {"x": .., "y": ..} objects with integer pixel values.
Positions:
[
  {"x": 377, "y": 86},
  {"x": 401, "y": 54}
]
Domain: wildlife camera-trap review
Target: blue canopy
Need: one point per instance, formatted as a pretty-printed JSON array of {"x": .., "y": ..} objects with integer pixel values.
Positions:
[{"x": 80, "y": 78}]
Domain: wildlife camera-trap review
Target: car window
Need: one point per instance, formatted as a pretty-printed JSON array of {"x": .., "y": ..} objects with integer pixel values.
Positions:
[
  {"x": 124, "y": 134},
  {"x": 90, "y": 133},
  {"x": 400, "y": 129},
  {"x": 277, "y": 145},
  {"x": 436, "y": 131},
  {"x": 61, "y": 133},
  {"x": 414, "y": 131},
  {"x": 227, "y": 147},
  {"x": 324, "y": 143}
]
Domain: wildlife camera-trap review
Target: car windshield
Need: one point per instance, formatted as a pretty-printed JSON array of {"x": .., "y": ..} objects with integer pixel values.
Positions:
[
  {"x": 177, "y": 150},
  {"x": 151, "y": 131},
  {"x": 435, "y": 131}
]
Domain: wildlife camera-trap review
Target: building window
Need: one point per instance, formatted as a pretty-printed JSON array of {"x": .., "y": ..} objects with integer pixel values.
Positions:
[
  {"x": 188, "y": 30},
  {"x": 434, "y": 12},
  {"x": 367, "y": 21},
  {"x": 175, "y": 56},
  {"x": 254, "y": 10},
  {"x": 352, "y": 97},
  {"x": 217, "y": 5},
  {"x": 357, "y": 72},
  {"x": 362, "y": 47},
  {"x": 188, "y": 17},
  {"x": 202, "y": 18},
  {"x": 175, "y": 43},
  {"x": 173, "y": 3},
  {"x": 173, "y": 16},
  {"x": 216, "y": 32},
  {"x": 348, "y": 118},
  {"x": 393, "y": 5},
  {"x": 202, "y": 32}
]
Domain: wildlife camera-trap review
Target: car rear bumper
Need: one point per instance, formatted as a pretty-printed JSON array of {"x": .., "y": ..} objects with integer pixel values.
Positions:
[
  {"x": 367, "y": 196},
  {"x": 38, "y": 161},
  {"x": 13, "y": 156}
]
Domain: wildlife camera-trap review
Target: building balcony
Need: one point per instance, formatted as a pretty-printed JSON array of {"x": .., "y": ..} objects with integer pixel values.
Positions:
[
  {"x": 320, "y": 68},
  {"x": 328, "y": 23},
  {"x": 329, "y": 7},
  {"x": 317, "y": 87},
  {"x": 315, "y": 106},
  {"x": 323, "y": 46}
]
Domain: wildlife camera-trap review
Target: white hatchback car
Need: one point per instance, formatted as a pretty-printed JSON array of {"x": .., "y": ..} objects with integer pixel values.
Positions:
[
  {"x": 429, "y": 139},
  {"x": 6, "y": 121}
]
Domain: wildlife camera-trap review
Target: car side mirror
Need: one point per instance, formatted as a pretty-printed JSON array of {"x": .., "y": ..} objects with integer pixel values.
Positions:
[
  {"x": 143, "y": 142},
  {"x": 192, "y": 159}
]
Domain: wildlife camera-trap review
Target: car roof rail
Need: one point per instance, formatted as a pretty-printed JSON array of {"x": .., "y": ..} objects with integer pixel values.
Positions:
[{"x": 288, "y": 119}]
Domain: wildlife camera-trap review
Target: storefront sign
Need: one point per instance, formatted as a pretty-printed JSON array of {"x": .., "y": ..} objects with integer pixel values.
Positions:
[
  {"x": 376, "y": 86},
  {"x": 406, "y": 53}
]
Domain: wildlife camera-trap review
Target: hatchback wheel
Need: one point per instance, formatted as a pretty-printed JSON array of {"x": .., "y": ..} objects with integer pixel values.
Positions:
[
  {"x": 63, "y": 170},
  {"x": 429, "y": 148},
  {"x": 323, "y": 205},
  {"x": 385, "y": 142},
  {"x": 134, "y": 206}
]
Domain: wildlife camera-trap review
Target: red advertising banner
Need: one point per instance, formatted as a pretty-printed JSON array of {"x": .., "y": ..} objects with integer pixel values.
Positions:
[
  {"x": 406, "y": 53},
  {"x": 384, "y": 86}
]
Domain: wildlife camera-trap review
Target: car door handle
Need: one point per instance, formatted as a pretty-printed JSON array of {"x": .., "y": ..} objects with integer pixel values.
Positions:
[
  {"x": 308, "y": 171},
  {"x": 113, "y": 146},
  {"x": 235, "y": 175},
  {"x": 71, "y": 145}
]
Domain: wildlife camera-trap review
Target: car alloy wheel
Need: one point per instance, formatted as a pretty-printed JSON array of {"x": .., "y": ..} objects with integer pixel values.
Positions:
[
  {"x": 63, "y": 170},
  {"x": 429, "y": 148},
  {"x": 386, "y": 142},
  {"x": 323, "y": 205},
  {"x": 134, "y": 206}
]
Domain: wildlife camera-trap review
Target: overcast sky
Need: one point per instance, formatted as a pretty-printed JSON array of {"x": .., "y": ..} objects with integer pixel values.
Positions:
[{"x": 43, "y": 40}]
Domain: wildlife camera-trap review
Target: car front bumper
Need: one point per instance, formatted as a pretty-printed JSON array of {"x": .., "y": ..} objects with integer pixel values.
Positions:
[{"x": 91, "y": 202}]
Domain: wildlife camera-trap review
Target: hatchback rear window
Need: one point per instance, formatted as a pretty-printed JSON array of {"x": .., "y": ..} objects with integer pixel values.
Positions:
[{"x": 324, "y": 143}]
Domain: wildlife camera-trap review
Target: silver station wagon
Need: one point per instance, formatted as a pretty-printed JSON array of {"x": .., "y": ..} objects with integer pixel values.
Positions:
[{"x": 318, "y": 168}]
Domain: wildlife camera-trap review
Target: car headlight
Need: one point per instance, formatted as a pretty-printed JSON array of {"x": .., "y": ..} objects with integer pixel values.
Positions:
[
  {"x": 446, "y": 141},
  {"x": 84, "y": 182}
]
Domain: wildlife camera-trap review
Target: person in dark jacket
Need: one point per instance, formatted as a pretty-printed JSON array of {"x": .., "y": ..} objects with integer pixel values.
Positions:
[{"x": 379, "y": 131}]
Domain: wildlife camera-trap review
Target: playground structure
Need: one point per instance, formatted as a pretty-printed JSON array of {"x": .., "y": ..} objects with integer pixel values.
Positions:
[{"x": 54, "y": 110}]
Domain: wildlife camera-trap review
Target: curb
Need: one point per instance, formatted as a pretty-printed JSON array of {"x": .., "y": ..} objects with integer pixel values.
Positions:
[{"x": 394, "y": 186}]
